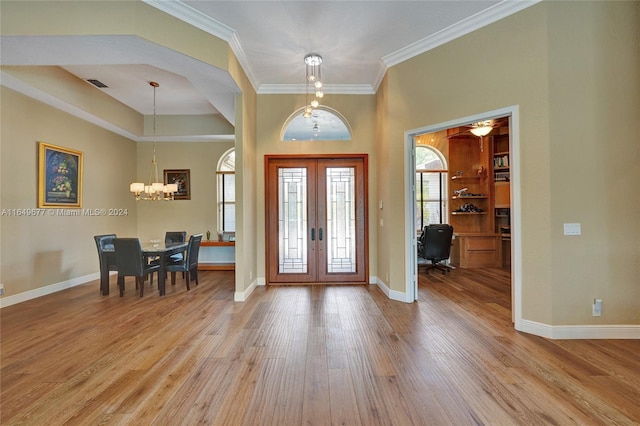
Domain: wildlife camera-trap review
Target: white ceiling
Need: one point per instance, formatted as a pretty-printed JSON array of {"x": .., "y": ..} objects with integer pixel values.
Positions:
[{"x": 358, "y": 40}]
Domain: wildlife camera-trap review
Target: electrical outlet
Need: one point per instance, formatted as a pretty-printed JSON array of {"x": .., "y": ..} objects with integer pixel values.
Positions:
[
  {"x": 597, "y": 307},
  {"x": 1, "y": 289}
]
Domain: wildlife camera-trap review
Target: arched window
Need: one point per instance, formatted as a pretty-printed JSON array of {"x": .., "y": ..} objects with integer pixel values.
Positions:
[
  {"x": 325, "y": 124},
  {"x": 226, "y": 174},
  {"x": 431, "y": 181}
]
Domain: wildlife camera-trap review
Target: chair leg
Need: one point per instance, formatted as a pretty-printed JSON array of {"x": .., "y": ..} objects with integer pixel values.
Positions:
[
  {"x": 173, "y": 278},
  {"x": 187, "y": 279},
  {"x": 121, "y": 284},
  {"x": 140, "y": 280}
]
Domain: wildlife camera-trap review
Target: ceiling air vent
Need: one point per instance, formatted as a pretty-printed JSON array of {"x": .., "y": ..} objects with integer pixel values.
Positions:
[{"x": 97, "y": 83}]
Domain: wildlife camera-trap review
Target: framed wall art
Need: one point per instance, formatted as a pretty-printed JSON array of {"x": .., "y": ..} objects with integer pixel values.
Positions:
[
  {"x": 59, "y": 177},
  {"x": 180, "y": 178}
]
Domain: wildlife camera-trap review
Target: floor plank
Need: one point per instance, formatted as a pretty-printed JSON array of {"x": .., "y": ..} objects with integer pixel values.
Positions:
[{"x": 293, "y": 355}]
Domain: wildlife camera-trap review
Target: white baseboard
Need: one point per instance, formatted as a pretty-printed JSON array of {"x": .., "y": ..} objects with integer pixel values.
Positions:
[
  {"x": 242, "y": 296},
  {"x": 399, "y": 296},
  {"x": 611, "y": 331},
  {"x": 52, "y": 288}
]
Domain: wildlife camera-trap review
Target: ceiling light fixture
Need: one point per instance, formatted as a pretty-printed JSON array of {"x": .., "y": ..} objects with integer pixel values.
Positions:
[
  {"x": 313, "y": 77},
  {"x": 155, "y": 190},
  {"x": 482, "y": 128}
]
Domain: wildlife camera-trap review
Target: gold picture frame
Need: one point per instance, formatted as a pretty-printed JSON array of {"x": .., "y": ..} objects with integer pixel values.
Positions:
[
  {"x": 59, "y": 177},
  {"x": 181, "y": 178}
]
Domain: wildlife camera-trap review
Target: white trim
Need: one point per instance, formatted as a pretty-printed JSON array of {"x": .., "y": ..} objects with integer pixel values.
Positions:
[
  {"x": 609, "y": 331},
  {"x": 188, "y": 14},
  {"x": 411, "y": 243},
  {"x": 475, "y": 22},
  {"x": 242, "y": 296},
  {"x": 52, "y": 288},
  {"x": 392, "y": 294},
  {"x": 331, "y": 89},
  {"x": 191, "y": 16},
  {"x": 516, "y": 263}
]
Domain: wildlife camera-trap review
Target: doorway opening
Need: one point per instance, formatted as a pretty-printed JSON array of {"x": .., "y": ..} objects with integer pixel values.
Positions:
[{"x": 499, "y": 216}]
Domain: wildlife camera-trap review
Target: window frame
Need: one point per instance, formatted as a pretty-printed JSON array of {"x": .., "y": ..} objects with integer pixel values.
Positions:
[
  {"x": 221, "y": 202},
  {"x": 442, "y": 199}
]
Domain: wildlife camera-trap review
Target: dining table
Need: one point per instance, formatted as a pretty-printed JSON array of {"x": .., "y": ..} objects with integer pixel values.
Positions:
[{"x": 150, "y": 250}]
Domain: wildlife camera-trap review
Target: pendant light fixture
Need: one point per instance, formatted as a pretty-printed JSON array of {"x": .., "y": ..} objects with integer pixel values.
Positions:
[
  {"x": 313, "y": 77},
  {"x": 155, "y": 190}
]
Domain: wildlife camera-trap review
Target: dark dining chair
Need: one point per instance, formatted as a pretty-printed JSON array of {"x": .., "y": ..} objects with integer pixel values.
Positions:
[
  {"x": 107, "y": 259},
  {"x": 131, "y": 262},
  {"x": 175, "y": 237},
  {"x": 189, "y": 264}
]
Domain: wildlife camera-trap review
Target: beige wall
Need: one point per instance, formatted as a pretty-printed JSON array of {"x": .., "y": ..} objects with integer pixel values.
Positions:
[
  {"x": 274, "y": 110},
  {"x": 44, "y": 250},
  {"x": 573, "y": 71},
  {"x": 594, "y": 144}
]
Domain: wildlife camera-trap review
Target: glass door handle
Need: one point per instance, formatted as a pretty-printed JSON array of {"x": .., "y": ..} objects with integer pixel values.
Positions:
[
  {"x": 320, "y": 234},
  {"x": 313, "y": 234}
]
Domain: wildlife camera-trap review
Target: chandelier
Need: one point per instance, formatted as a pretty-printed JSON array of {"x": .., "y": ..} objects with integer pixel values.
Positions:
[
  {"x": 313, "y": 78},
  {"x": 155, "y": 190}
]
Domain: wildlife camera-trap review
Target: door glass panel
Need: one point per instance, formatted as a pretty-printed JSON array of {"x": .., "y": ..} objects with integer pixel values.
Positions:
[
  {"x": 292, "y": 220},
  {"x": 341, "y": 220}
]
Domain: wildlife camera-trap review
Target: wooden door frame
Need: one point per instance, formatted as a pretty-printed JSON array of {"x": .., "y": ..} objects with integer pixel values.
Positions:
[{"x": 365, "y": 163}]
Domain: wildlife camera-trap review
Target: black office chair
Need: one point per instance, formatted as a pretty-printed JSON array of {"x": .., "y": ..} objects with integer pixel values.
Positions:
[
  {"x": 131, "y": 262},
  {"x": 435, "y": 245},
  {"x": 107, "y": 258},
  {"x": 189, "y": 265}
]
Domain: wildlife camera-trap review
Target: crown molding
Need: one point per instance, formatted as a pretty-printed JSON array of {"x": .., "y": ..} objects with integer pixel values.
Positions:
[
  {"x": 186, "y": 13},
  {"x": 330, "y": 89},
  {"x": 193, "y": 17},
  {"x": 459, "y": 29}
]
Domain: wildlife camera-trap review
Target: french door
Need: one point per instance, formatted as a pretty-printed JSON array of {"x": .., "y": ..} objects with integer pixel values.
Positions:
[{"x": 316, "y": 219}]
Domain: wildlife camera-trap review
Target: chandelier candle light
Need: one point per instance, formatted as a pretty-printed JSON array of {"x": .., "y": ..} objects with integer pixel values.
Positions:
[{"x": 154, "y": 190}]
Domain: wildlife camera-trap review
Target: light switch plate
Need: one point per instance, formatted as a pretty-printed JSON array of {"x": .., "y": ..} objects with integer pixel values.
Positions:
[{"x": 572, "y": 229}]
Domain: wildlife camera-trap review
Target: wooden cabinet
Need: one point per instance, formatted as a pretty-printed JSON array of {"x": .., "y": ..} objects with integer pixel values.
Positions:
[
  {"x": 476, "y": 250},
  {"x": 470, "y": 197},
  {"x": 502, "y": 192},
  {"x": 479, "y": 197}
]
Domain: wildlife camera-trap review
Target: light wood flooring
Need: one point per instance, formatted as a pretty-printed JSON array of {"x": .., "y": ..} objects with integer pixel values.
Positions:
[{"x": 343, "y": 355}]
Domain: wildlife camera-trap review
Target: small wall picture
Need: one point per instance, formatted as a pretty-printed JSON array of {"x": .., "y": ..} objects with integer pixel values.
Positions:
[
  {"x": 59, "y": 177},
  {"x": 180, "y": 178}
]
